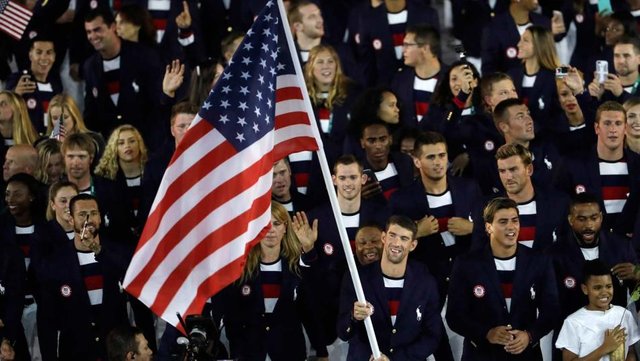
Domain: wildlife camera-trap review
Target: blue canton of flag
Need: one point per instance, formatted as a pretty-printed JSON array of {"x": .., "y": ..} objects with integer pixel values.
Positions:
[{"x": 241, "y": 104}]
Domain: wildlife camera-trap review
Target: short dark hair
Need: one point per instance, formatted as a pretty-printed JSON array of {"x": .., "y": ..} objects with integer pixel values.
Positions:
[
  {"x": 404, "y": 222},
  {"x": 122, "y": 340},
  {"x": 42, "y": 38},
  {"x": 630, "y": 40},
  {"x": 610, "y": 106},
  {"x": 426, "y": 35},
  {"x": 497, "y": 204},
  {"x": 82, "y": 197},
  {"x": 427, "y": 138},
  {"x": 501, "y": 111},
  {"x": 100, "y": 12},
  {"x": 347, "y": 159},
  {"x": 583, "y": 198},
  {"x": 183, "y": 107},
  {"x": 366, "y": 125},
  {"x": 594, "y": 268}
]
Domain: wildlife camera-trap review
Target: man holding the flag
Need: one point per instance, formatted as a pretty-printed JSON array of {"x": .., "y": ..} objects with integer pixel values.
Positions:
[{"x": 403, "y": 300}]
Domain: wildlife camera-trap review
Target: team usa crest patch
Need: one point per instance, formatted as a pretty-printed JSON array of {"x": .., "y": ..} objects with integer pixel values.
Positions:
[
  {"x": 328, "y": 249},
  {"x": 478, "y": 291},
  {"x": 570, "y": 282},
  {"x": 65, "y": 291},
  {"x": 489, "y": 146},
  {"x": 246, "y": 290}
]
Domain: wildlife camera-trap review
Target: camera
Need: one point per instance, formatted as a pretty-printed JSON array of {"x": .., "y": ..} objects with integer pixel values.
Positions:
[
  {"x": 562, "y": 71},
  {"x": 202, "y": 342}
]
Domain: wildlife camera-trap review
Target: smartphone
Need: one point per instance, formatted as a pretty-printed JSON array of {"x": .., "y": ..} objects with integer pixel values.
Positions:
[
  {"x": 602, "y": 70},
  {"x": 562, "y": 71},
  {"x": 371, "y": 175}
]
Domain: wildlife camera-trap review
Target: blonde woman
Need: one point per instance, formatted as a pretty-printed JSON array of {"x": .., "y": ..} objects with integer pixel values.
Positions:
[
  {"x": 535, "y": 79},
  {"x": 63, "y": 108},
  {"x": 50, "y": 163},
  {"x": 15, "y": 124},
  {"x": 263, "y": 311},
  {"x": 123, "y": 162},
  {"x": 332, "y": 94}
]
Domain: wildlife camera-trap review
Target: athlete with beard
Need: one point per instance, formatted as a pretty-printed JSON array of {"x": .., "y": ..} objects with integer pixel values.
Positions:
[
  {"x": 542, "y": 210},
  {"x": 402, "y": 301},
  {"x": 502, "y": 298},
  {"x": 81, "y": 300},
  {"x": 586, "y": 240},
  {"x": 626, "y": 82}
]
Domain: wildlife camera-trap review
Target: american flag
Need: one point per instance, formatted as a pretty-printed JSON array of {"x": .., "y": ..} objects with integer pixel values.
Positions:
[
  {"x": 14, "y": 18},
  {"x": 213, "y": 203}
]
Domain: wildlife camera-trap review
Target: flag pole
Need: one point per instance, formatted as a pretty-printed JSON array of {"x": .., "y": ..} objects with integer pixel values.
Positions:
[{"x": 326, "y": 175}]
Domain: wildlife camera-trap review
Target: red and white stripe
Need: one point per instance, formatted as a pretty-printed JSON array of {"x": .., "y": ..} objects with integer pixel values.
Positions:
[
  {"x": 14, "y": 18},
  {"x": 213, "y": 204}
]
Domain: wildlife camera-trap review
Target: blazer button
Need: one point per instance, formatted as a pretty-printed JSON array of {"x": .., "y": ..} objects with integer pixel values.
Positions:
[
  {"x": 394, "y": 331},
  {"x": 390, "y": 350},
  {"x": 97, "y": 339},
  {"x": 267, "y": 328},
  {"x": 348, "y": 329}
]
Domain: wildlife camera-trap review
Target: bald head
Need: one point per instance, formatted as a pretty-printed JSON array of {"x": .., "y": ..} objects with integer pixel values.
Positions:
[{"x": 21, "y": 158}]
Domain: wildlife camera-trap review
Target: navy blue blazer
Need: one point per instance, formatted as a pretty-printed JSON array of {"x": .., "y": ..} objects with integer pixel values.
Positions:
[
  {"x": 12, "y": 283},
  {"x": 476, "y": 303},
  {"x": 252, "y": 332},
  {"x": 552, "y": 208},
  {"x": 568, "y": 263},
  {"x": 411, "y": 202},
  {"x": 404, "y": 167},
  {"x": 469, "y": 19},
  {"x": 140, "y": 89},
  {"x": 375, "y": 48},
  {"x": 499, "y": 50},
  {"x": 402, "y": 87},
  {"x": 331, "y": 260},
  {"x": 582, "y": 173},
  {"x": 65, "y": 317},
  {"x": 417, "y": 330},
  {"x": 38, "y": 102},
  {"x": 542, "y": 98},
  {"x": 545, "y": 162}
]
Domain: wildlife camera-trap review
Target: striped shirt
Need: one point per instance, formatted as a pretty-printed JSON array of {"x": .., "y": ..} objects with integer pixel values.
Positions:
[
  {"x": 397, "y": 27},
  {"x": 93, "y": 279},
  {"x": 442, "y": 209},
  {"x": 271, "y": 277},
  {"x": 422, "y": 91},
  {"x": 527, "y": 234},
  {"x": 393, "y": 286},
  {"x": 506, "y": 268}
]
